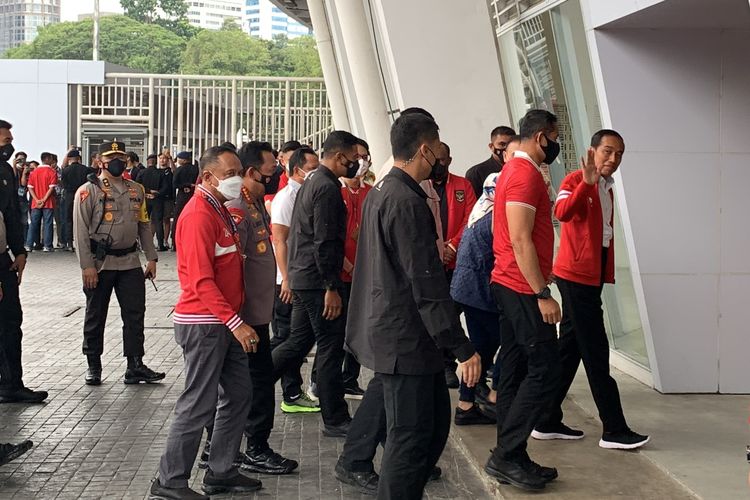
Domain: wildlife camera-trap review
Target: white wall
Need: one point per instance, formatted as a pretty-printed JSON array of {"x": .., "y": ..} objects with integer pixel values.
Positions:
[
  {"x": 442, "y": 57},
  {"x": 35, "y": 100},
  {"x": 680, "y": 99}
]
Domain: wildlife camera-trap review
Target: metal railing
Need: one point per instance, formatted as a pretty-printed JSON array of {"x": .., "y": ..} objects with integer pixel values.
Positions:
[{"x": 188, "y": 112}]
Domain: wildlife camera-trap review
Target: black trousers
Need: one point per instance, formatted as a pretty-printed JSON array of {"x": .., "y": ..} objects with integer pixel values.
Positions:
[
  {"x": 367, "y": 430},
  {"x": 262, "y": 394},
  {"x": 309, "y": 327},
  {"x": 530, "y": 370},
  {"x": 157, "y": 221},
  {"x": 281, "y": 323},
  {"x": 583, "y": 338},
  {"x": 67, "y": 218},
  {"x": 448, "y": 357},
  {"x": 11, "y": 317},
  {"x": 418, "y": 415},
  {"x": 180, "y": 201},
  {"x": 130, "y": 288}
]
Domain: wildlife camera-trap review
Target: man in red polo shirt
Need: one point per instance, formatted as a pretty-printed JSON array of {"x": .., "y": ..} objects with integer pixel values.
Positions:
[
  {"x": 41, "y": 184},
  {"x": 585, "y": 261},
  {"x": 523, "y": 241}
]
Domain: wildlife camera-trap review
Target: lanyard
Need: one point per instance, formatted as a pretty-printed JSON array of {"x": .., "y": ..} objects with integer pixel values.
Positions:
[{"x": 228, "y": 221}]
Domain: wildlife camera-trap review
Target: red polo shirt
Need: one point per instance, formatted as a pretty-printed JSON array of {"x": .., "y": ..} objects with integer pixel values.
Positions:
[
  {"x": 41, "y": 179},
  {"x": 521, "y": 183},
  {"x": 353, "y": 201}
]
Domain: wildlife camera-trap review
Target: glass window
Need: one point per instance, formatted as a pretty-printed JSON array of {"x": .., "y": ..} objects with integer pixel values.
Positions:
[{"x": 546, "y": 65}]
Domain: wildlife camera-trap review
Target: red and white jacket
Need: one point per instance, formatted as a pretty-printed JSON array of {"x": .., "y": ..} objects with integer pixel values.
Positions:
[
  {"x": 579, "y": 209},
  {"x": 461, "y": 199},
  {"x": 209, "y": 264}
]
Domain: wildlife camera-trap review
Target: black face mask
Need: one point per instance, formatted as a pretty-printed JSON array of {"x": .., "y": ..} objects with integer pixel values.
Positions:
[
  {"x": 271, "y": 182},
  {"x": 551, "y": 150},
  {"x": 116, "y": 167},
  {"x": 6, "y": 152},
  {"x": 499, "y": 153},
  {"x": 351, "y": 168},
  {"x": 439, "y": 172}
]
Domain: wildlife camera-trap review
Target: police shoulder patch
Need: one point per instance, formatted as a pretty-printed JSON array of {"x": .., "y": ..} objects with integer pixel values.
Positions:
[
  {"x": 84, "y": 194},
  {"x": 237, "y": 214}
]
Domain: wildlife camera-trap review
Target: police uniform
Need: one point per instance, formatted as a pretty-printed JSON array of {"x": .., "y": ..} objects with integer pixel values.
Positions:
[{"x": 110, "y": 221}]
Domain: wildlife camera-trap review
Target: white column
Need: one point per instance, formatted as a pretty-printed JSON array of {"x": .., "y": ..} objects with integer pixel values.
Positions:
[{"x": 328, "y": 63}]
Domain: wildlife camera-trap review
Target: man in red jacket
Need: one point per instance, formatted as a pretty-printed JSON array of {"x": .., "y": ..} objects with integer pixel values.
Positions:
[
  {"x": 457, "y": 198},
  {"x": 213, "y": 337},
  {"x": 585, "y": 261}
]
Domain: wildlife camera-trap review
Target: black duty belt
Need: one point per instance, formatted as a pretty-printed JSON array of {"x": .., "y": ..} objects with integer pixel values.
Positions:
[{"x": 114, "y": 252}]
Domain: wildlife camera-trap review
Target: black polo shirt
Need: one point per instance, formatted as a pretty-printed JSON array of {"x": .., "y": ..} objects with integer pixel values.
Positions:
[
  {"x": 477, "y": 174},
  {"x": 11, "y": 210}
]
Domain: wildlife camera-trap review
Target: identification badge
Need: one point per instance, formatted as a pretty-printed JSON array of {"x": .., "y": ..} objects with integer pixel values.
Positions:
[
  {"x": 262, "y": 247},
  {"x": 109, "y": 217}
]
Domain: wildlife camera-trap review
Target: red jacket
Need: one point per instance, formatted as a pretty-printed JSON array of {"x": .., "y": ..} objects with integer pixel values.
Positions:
[
  {"x": 209, "y": 264},
  {"x": 353, "y": 204},
  {"x": 579, "y": 258},
  {"x": 461, "y": 200}
]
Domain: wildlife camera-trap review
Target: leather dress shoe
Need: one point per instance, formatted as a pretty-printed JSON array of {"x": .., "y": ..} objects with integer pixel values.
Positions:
[
  {"x": 267, "y": 462},
  {"x": 213, "y": 485},
  {"x": 364, "y": 482},
  {"x": 339, "y": 430},
  {"x": 23, "y": 395},
  {"x": 93, "y": 376},
  {"x": 514, "y": 473},
  {"x": 159, "y": 492},
  {"x": 10, "y": 452}
]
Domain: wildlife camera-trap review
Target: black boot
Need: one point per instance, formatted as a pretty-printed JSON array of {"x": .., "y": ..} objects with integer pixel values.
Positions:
[
  {"x": 94, "y": 372},
  {"x": 137, "y": 372}
]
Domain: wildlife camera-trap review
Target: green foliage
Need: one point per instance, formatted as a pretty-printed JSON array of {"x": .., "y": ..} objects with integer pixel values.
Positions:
[
  {"x": 169, "y": 14},
  {"x": 225, "y": 52},
  {"x": 295, "y": 57},
  {"x": 123, "y": 41}
]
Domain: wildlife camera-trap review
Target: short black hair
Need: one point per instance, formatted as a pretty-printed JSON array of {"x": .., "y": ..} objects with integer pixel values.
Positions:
[
  {"x": 536, "y": 120},
  {"x": 298, "y": 159},
  {"x": 133, "y": 157},
  {"x": 338, "y": 141},
  {"x": 152, "y": 156},
  {"x": 596, "y": 139},
  {"x": 251, "y": 154},
  {"x": 363, "y": 143},
  {"x": 409, "y": 132},
  {"x": 46, "y": 157},
  {"x": 211, "y": 155},
  {"x": 501, "y": 130},
  {"x": 448, "y": 148},
  {"x": 515, "y": 138},
  {"x": 229, "y": 145},
  {"x": 19, "y": 153},
  {"x": 419, "y": 111},
  {"x": 34, "y": 162},
  {"x": 4, "y": 124},
  {"x": 290, "y": 146}
]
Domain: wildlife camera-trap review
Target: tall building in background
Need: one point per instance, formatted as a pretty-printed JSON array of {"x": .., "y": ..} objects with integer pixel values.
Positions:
[
  {"x": 263, "y": 19},
  {"x": 20, "y": 20},
  {"x": 211, "y": 14}
]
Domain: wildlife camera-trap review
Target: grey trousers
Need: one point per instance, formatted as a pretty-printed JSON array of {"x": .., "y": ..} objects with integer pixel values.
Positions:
[{"x": 215, "y": 369}]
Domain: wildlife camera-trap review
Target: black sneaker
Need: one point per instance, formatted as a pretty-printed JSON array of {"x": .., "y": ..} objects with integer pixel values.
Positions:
[
  {"x": 23, "y": 395},
  {"x": 435, "y": 474},
  {"x": 627, "y": 440},
  {"x": 353, "y": 392},
  {"x": 203, "y": 460},
  {"x": 474, "y": 416},
  {"x": 546, "y": 473},
  {"x": 557, "y": 431},
  {"x": 364, "y": 482},
  {"x": 142, "y": 373},
  {"x": 339, "y": 430},
  {"x": 213, "y": 485},
  {"x": 514, "y": 473},
  {"x": 93, "y": 376},
  {"x": 489, "y": 409},
  {"x": 159, "y": 492},
  {"x": 451, "y": 378},
  {"x": 267, "y": 462},
  {"x": 10, "y": 452}
]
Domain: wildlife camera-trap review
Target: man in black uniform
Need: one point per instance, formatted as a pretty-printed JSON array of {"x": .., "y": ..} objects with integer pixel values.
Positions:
[
  {"x": 151, "y": 180},
  {"x": 184, "y": 181},
  {"x": 12, "y": 389},
  {"x": 316, "y": 258},
  {"x": 500, "y": 137},
  {"x": 73, "y": 176},
  {"x": 163, "y": 203},
  {"x": 110, "y": 222},
  {"x": 134, "y": 167},
  {"x": 401, "y": 317}
]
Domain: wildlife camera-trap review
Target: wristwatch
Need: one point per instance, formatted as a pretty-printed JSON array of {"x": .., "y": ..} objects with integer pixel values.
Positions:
[{"x": 546, "y": 293}]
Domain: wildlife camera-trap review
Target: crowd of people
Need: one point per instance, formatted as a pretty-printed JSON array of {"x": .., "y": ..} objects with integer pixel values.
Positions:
[{"x": 278, "y": 252}]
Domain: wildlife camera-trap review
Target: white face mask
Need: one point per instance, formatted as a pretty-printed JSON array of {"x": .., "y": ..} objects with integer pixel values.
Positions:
[
  {"x": 364, "y": 166},
  {"x": 230, "y": 188}
]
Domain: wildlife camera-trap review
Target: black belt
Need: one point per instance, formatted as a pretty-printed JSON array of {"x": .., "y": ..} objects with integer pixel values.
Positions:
[{"x": 115, "y": 252}]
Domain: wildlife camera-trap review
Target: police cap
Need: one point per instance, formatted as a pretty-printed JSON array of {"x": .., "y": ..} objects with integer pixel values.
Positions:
[
  {"x": 184, "y": 155},
  {"x": 112, "y": 147}
]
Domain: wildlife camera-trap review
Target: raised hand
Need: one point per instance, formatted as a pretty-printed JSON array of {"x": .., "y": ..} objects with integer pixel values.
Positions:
[{"x": 591, "y": 172}]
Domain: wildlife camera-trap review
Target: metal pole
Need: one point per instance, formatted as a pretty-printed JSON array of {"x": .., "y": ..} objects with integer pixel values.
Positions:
[
  {"x": 96, "y": 30},
  {"x": 288, "y": 111},
  {"x": 180, "y": 113},
  {"x": 151, "y": 116}
]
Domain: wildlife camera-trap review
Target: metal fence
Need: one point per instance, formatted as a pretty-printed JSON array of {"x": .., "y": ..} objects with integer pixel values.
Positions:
[{"x": 183, "y": 112}]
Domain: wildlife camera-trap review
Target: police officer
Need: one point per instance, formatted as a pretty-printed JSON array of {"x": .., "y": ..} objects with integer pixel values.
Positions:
[
  {"x": 110, "y": 221},
  {"x": 184, "y": 181},
  {"x": 73, "y": 176}
]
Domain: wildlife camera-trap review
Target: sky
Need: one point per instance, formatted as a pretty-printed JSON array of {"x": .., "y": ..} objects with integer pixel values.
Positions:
[{"x": 70, "y": 9}]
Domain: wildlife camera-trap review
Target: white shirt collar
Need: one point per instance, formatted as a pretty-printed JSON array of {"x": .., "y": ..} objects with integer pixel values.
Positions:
[
  {"x": 606, "y": 183},
  {"x": 525, "y": 156}
]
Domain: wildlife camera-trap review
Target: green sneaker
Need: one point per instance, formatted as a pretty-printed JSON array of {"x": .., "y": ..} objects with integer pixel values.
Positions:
[{"x": 303, "y": 404}]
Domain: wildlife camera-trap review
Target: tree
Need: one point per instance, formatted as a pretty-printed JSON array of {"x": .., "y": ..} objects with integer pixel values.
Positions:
[
  {"x": 295, "y": 57},
  {"x": 169, "y": 14},
  {"x": 124, "y": 41},
  {"x": 225, "y": 52}
]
